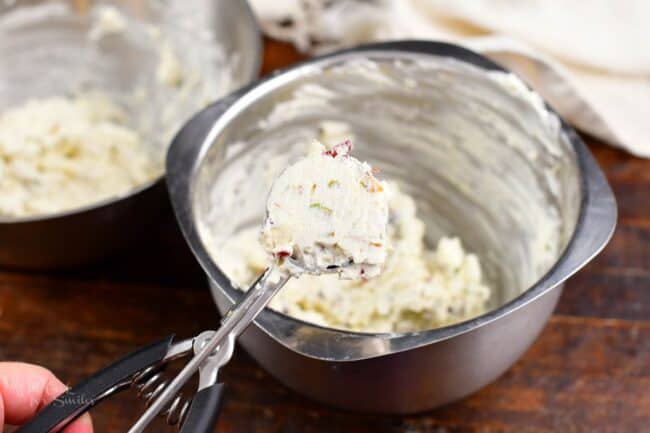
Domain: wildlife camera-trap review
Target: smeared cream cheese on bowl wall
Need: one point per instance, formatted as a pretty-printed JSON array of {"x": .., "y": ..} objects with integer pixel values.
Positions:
[
  {"x": 85, "y": 131},
  {"x": 472, "y": 166}
]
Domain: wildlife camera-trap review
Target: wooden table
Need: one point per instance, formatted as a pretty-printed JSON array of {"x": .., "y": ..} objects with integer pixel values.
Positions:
[{"x": 588, "y": 372}]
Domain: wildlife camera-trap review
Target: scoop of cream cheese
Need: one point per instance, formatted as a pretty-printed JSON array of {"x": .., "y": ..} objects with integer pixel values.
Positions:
[{"x": 328, "y": 211}]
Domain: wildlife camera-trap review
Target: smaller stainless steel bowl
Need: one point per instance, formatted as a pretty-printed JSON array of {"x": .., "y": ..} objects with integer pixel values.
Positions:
[
  {"x": 484, "y": 156},
  {"x": 46, "y": 52}
]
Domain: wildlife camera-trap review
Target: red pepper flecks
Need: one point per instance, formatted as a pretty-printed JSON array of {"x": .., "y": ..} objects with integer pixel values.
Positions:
[
  {"x": 282, "y": 254},
  {"x": 342, "y": 149}
]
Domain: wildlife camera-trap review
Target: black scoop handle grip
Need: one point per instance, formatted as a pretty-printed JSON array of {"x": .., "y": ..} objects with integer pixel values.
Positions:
[
  {"x": 204, "y": 411},
  {"x": 79, "y": 399}
]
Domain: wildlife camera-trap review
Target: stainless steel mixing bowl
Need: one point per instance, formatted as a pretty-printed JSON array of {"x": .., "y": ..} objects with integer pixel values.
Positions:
[
  {"x": 46, "y": 51},
  {"x": 484, "y": 156}
]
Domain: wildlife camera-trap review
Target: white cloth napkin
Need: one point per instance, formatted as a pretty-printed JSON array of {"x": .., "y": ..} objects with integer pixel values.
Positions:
[{"x": 589, "y": 59}]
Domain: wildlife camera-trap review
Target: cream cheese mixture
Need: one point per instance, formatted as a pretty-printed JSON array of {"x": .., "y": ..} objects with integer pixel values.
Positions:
[
  {"x": 328, "y": 211},
  {"x": 64, "y": 153},
  {"x": 418, "y": 288}
]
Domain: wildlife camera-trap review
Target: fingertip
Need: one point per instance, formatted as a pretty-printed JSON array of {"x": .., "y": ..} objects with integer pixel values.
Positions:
[{"x": 25, "y": 389}]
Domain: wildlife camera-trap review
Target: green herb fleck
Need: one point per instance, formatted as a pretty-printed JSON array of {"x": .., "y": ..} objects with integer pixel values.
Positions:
[{"x": 325, "y": 209}]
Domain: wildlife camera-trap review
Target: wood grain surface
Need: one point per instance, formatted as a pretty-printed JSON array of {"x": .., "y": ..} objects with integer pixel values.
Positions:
[{"x": 588, "y": 372}]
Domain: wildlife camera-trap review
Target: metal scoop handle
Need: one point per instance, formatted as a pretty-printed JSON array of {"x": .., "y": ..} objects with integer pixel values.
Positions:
[{"x": 234, "y": 322}]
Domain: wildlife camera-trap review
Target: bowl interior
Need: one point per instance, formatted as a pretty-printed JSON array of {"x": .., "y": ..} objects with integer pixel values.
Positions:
[
  {"x": 48, "y": 49},
  {"x": 479, "y": 151}
]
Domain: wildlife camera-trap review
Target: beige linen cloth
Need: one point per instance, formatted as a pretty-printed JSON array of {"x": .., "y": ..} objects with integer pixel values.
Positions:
[{"x": 589, "y": 59}]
